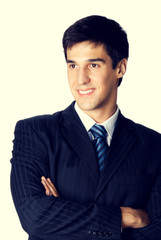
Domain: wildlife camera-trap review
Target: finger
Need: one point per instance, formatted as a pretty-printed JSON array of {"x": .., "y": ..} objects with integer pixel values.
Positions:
[
  {"x": 47, "y": 190},
  {"x": 44, "y": 182},
  {"x": 52, "y": 185},
  {"x": 49, "y": 186},
  {"x": 51, "y": 189},
  {"x": 43, "y": 178},
  {"x": 55, "y": 194}
]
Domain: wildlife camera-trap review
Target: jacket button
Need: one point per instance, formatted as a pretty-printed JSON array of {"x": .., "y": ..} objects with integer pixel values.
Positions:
[
  {"x": 100, "y": 234},
  {"x": 104, "y": 234},
  {"x": 109, "y": 234}
]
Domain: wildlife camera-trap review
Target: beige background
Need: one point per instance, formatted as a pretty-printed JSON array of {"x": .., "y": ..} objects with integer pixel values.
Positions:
[{"x": 33, "y": 72}]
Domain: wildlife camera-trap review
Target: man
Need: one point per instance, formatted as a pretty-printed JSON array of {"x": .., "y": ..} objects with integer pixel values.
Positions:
[{"x": 101, "y": 172}]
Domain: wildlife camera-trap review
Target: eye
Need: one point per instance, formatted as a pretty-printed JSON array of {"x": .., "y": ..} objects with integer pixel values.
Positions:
[
  {"x": 94, "y": 65},
  {"x": 72, "y": 66}
]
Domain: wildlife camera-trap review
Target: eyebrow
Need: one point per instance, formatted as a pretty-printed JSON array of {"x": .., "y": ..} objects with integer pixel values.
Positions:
[
  {"x": 96, "y": 60},
  {"x": 89, "y": 60}
]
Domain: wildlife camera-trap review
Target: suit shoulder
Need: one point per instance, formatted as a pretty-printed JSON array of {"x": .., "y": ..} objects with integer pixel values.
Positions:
[
  {"x": 40, "y": 120},
  {"x": 143, "y": 130}
]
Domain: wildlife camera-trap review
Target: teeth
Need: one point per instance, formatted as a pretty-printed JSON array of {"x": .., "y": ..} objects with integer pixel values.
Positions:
[{"x": 86, "y": 92}]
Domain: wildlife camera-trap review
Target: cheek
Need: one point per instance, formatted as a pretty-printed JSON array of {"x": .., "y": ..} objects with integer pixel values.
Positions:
[
  {"x": 106, "y": 85},
  {"x": 103, "y": 82},
  {"x": 71, "y": 77},
  {"x": 72, "y": 84}
]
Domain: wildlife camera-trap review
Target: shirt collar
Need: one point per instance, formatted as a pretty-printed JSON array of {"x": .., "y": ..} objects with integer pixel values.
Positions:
[{"x": 88, "y": 122}]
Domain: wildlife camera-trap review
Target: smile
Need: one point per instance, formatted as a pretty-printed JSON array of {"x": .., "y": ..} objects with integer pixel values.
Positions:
[{"x": 85, "y": 91}]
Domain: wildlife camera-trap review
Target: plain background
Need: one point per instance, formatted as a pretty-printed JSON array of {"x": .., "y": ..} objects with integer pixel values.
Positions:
[{"x": 33, "y": 78}]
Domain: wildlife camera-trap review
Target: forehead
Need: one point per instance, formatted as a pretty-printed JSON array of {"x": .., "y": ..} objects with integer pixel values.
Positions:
[{"x": 86, "y": 50}]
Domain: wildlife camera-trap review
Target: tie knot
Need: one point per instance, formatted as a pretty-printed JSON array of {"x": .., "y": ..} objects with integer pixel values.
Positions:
[{"x": 98, "y": 131}]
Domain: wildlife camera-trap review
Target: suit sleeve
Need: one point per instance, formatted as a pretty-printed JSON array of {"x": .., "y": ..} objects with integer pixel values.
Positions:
[
  {"x": 48, "y": 217},
  {"x": 153, "y": 208}
]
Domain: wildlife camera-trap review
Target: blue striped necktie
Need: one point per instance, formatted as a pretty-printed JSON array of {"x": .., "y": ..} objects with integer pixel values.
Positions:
[{"x": 100, "y": 143}]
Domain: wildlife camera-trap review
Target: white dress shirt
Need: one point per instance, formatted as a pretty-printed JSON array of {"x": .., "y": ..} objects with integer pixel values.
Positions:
[{"x": 88, "y": 122}]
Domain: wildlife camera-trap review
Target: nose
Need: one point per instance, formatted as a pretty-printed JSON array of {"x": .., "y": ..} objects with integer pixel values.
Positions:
[{"x": 83, "y": 76}]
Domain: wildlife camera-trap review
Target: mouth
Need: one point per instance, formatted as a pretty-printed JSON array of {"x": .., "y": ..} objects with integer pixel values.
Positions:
[{"x": 86, "y": 92}]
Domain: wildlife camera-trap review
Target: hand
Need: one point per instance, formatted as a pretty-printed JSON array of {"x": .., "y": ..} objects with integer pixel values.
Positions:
[
  {"x": 49, "y": 187},
  {"x": 134, "y": 218}
]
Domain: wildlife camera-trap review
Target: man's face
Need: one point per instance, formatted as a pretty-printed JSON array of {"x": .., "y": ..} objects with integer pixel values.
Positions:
[{"x": 92, "y": 80}]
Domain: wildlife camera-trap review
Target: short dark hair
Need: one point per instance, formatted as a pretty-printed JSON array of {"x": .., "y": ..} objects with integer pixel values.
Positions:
[{"x": 99, "y": 30}]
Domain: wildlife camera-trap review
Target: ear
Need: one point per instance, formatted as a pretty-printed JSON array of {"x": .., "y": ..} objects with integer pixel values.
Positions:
[{"x": 121, "y": 67}]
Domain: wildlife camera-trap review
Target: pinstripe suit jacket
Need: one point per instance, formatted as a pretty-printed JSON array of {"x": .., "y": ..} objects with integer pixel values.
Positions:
[{"x": 58, "y": 146}]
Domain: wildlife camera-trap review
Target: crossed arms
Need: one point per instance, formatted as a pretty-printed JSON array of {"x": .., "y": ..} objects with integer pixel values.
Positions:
[
  {"x": 50, "y": 217},
  {"x": 131, "y": 218}
]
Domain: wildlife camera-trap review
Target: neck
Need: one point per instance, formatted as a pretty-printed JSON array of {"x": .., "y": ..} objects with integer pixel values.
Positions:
[{"x": 101, "y": 115}]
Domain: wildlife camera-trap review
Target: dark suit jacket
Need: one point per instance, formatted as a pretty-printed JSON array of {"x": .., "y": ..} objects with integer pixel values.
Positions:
[{"x": 58, "y": 146}]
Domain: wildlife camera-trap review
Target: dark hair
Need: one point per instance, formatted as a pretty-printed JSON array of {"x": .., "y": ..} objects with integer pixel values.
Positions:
[{"x": 99, "y": 30}]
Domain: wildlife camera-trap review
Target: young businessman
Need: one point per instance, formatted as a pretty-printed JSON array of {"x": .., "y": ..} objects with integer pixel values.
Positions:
[{"x": 101, "y": 172}]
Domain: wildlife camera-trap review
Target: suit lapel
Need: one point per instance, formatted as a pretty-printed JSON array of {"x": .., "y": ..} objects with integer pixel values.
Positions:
[
  {"x": 122, "y": 142},
  {"x": 77, "y": 137}
]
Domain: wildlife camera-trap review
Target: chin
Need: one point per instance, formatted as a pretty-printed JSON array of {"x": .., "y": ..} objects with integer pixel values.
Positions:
[{"x": 86, "y": 107}]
